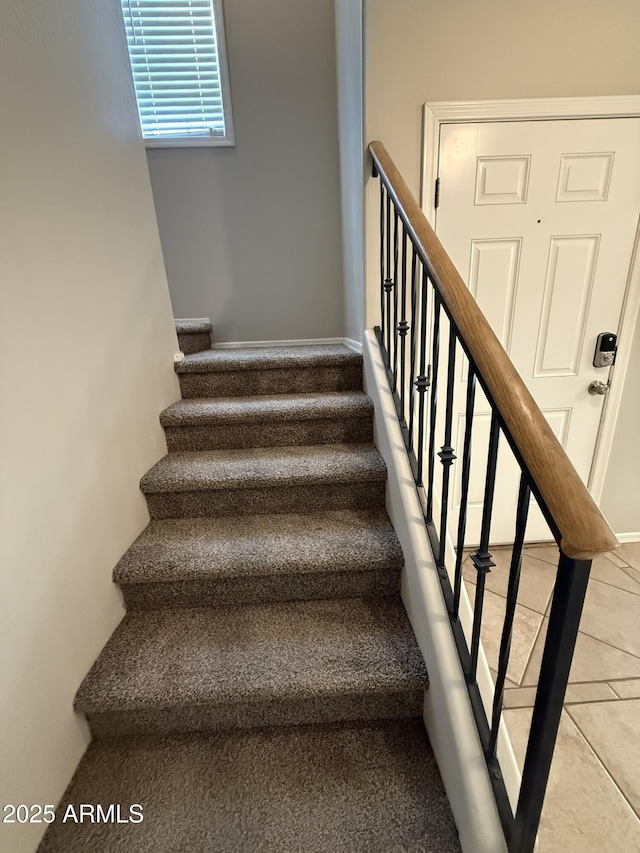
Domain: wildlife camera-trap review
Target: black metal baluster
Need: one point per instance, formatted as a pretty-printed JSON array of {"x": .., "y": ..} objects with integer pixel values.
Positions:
[
  {"x": 395, "y": 299},
  {"x": 566, "y": 608},
  {"x": 466, "y": 471},
  {"x": 512, "y": 596},
  {"x": 435, "y": 360},
  {"x": 412, "y": 365},
  {"x": 382, "y": 269},
  {"x": 388, "y": 283},
  {"x": 403, "y": 326},
  {"x": 423, "y": 380},
  {"x": 446, "y": 453},
  {"x": 482, "y": 558}
]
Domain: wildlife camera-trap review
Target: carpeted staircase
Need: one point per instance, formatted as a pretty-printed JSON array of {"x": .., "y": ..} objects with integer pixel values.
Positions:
[{"x": 264, "y": 690}]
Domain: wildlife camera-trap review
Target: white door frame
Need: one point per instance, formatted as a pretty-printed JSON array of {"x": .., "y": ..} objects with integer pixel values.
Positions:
[{"x": 539, "y": 109}]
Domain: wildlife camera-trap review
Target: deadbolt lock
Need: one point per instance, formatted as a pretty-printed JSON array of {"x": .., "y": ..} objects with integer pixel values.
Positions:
[{"x": 605, "y": 354}]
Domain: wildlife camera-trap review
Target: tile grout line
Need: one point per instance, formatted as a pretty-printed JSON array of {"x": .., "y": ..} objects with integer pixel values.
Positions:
[
  {"x": 591, "y": 637},
  {"x": 528, "y": 661},
  {"x": 591, "y": 578},
  {"x": 617, "y": 699},
  {"x": 524, "y": 606},
  {"x": 614, "y": 698},
  {"x": 624, "y": 569},
  {"x": 606, "y": 583},
  {"x": 604, "y": 766},
  {"x": 608, "y": 682},
  {"x": 611, "y": 646}
]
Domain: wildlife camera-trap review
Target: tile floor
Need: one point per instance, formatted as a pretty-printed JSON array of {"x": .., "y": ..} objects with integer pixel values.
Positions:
[{"x": 593, "y": 798}]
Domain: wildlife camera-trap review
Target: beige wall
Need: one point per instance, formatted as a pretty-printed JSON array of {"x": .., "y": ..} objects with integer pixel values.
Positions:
[
  {"x": 251, "y": 234},
  {"x": 621, "y": 496},
  {"x": 349, "y": 59},
  {"x": 455, "y": 50},
  {"x": 87, "y": 346},
  {"x": 449, "y": 50}
]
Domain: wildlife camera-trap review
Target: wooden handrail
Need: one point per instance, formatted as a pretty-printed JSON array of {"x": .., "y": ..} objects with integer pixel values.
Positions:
[{"x": 584, "y": 532}]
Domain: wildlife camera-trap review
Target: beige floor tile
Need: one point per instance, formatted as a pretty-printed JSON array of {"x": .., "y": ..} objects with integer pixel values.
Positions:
[
  {"x": 592, "y": 661},
  {"x": 548, "y": 552},
  {"x": 589, "y": 692},
  {"x": 519, "y": 697},
  {"x": 509, "y": 685},
  {"x": 607, "y": 572},
  {"x": 524, "y": 697},
  {"x": 612, "y": 729},
  {"x": 536, "y": 579},
  {"x": 633, "y": 573},
  {"x": 584, "y": 811},
  {"x": 615, "y": 558},
  {"x": 525, "y": 629},
  {"x": 629, "y": 689},
  {"x": 613, "y": 616},
  {"x": 606, "y": 568},
  {"x": 630, "y": 553}
]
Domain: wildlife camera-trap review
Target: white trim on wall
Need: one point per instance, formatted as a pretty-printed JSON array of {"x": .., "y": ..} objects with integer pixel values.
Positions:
[
  {"x": 539, "y": 109},
  {"x": 626, "y": 330},
  {"x": 628, "y": 537},
  {"x": 534, "y": 109},
  {"x": 302, "y": 342},
  {"x": 356, "y": 346}
]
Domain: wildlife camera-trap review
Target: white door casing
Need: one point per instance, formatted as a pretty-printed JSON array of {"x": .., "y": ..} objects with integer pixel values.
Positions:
[{"x": 540, "y": 219}]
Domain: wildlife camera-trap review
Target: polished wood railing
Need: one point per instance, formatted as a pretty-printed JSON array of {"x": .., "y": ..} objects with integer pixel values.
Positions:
[{"x": 421, "y": 292}]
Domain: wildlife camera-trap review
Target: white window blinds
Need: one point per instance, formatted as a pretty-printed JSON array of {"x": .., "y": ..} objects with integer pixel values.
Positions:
[{"x": 179, "y": 70}]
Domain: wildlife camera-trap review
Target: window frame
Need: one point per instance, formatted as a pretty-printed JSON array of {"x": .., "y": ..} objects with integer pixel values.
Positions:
[{"x": 192, "y": 141}]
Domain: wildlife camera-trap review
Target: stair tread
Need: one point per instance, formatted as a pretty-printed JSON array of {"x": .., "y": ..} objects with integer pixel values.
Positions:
[
  {"x": 266, "y": 408},
  {"x": 322, "y": 789},
  {"x": 182, "y": 471},
  {"x": 259, "y": 546},
  {"x": 268, "y": 358},
  {"x": 294, "y": 651},
  {"x": 193, "y": 327}
]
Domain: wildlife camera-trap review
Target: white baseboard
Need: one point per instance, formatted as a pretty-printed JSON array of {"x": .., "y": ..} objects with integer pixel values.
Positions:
[
  {"x": 628, "y": 537},
  {"x": 302, "y": 342},
  {"x": 356, "y": 346}
]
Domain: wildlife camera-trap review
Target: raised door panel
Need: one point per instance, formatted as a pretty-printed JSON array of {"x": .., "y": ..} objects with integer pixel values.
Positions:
[
  {"x": 585, "y": 177},
  {"x": 502, "y": 180},
  {"x": 567, "y": 293},
  {"x": 493, "y": 281}
]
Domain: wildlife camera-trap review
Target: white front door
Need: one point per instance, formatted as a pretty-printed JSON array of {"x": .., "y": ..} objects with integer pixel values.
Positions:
[{"x": 539, "y": 217}]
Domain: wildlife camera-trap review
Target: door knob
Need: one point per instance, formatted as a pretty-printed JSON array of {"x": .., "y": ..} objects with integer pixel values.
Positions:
[{"x": 598, "y": 387}]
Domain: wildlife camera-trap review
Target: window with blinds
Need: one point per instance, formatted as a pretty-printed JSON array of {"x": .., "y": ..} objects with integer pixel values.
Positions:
[{"x": 179, "y": 69}]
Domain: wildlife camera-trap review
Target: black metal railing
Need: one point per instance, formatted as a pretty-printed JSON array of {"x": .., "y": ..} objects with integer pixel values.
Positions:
[{"x": 430, "y": 328}]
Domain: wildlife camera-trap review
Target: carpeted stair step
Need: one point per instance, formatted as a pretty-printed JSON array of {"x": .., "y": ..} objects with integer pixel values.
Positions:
[
  {"x": 213, "y": 562},
  {"x": 270, "y": 370},
  {"x": 265, "y": 480},
  {"x": 193, "y": 336},
  {"x": 164, "y": 671},
  {"x": 274, "y": 420},
  {"x": 343, "y": 788}
]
